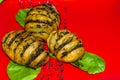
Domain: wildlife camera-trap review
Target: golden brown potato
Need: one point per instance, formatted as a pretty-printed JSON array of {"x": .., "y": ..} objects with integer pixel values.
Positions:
[
  {"x": 25, "y": 49},
  {"x": 65, "y": 46},
  {"x": 42, "y": 19}
]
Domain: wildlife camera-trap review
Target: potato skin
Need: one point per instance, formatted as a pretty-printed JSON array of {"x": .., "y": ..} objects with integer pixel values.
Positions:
[
  {"x": 25, "y": 49},
  {"x": 65, "y": 46},
  {"x": 42, "y": 20}
]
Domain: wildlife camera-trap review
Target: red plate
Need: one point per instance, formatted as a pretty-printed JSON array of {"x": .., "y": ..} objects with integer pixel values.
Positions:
[{"x": 97, "y": 23}]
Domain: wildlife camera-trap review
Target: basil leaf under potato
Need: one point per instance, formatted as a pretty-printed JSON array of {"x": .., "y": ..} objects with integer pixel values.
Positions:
[
  {"x": 18, "y": 72},
  {"x": 91, "y": 63},
  {"x": 20, "y": 17},
  {"x": 1, "y": 1}
]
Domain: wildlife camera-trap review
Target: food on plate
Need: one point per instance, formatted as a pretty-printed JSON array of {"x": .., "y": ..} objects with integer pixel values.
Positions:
[
  {"x": 65, "y": 46},
  {"x": 25, "y": 49},
  {"x": 42, "y": 19}
]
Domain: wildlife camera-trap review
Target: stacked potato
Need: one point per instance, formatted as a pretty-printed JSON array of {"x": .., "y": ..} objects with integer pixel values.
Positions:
[
  {"x": 65, "y": 46},
  {"x": 26, "y": 47},
  {"x": 42, "y": 20},
  {"x": 41, "y": 25}
]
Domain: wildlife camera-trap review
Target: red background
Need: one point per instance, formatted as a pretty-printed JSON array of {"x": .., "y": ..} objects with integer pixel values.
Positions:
[{"x": 97, "y": 23}]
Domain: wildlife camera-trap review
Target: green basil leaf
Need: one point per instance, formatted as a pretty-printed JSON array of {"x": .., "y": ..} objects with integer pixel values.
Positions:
[
  {"x": 52, "y": 55},
  {"x": 1, "y": 1},
  {"x": 20, "y": 17},
  {"x": 91, "y": 63},
  {"x": 18, "y": 72}
]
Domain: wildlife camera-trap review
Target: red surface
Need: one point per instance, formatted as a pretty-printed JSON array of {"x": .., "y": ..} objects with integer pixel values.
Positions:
[{"x": 97, "y": 23}]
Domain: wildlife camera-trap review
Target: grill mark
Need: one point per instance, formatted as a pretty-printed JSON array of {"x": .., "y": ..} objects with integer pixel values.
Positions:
[
  {"x": 44, "y": 15},
  {"x": 64, "y": 54},
  {"x": 76, "y": 47},
  {"x": 37, "y": 21},
  {"x": 49, "y": 11},
  {"x": 37, "y": 53},
  {"x": 37, "y": 25},
  {"x": 33, "y": 33},
  {"x": 47, "y": 15},
  {"x": 38, "y": 12},
  {"x": 42, "y": 61},
  {"x": 66, "y": 32},
  {"x": 21, "y": 39},
  {"x": 23, "y": 49},
  {"x": 53, "y": 11},
  {"x": 65, "y": 43},
  {"x": 47, "y": 53},
  {"x": 48, "y": 23},
  {"x": 40, "y": 32},
  {"x": 50, "y": 7},
  {"x": 6, "y": 37},
  {"x": 61, "y": 34},
  {"x": 14, "y": 38},
  {"x": 26, "y": 46}
]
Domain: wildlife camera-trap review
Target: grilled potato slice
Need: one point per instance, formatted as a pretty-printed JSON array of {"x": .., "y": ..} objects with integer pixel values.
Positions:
[
  {"x": 65, "y": 46},
  {"x": 71, "y": 52},
  {"x": 42, "y": 19},
  {"x": 41, "y": 59},
  {"x": 51, "y": 41},
  {"x": 25, "y": 49},
  {"x": 8, "y": 40}
]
